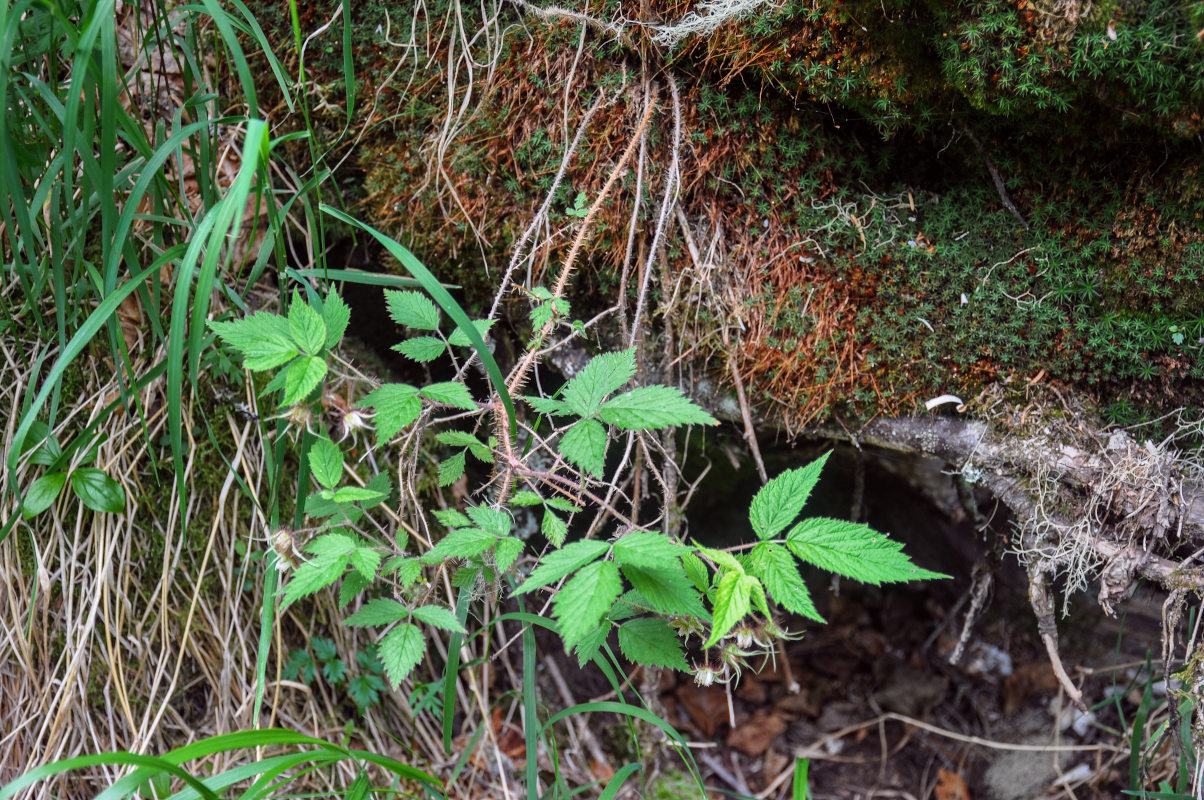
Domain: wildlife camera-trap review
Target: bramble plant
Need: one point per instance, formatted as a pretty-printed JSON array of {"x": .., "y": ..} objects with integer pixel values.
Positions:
[{"x": 666, "y": 597}]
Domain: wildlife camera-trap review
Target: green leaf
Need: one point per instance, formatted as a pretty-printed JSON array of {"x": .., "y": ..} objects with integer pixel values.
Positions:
[
  {"x": 439, "y": 617},
  {"x": 397, "y": 405},
  {"x": 381, "y": 485},
  {"x": 667, "y": 591},
  {"x": 304, "y": 375},
  {"x": 451, "y": 468},
  {"x": 263, "y": 339},
  {"x": 588, "y": 645},
  {"x": 97, "y": 490},
  {"x": 381, "y": 611},
  {"x": 490, "y": 519},
  {"x": 313, "y": 576},
  {"x": 365, "y": 561},
  {"x": 412, "y": 309},
  {"x": 559, "y": 563},
  {"x": 588, "y": 595},
  {"x": 357, "y": 494},
  {"x": 563, "y": 504},
  {"x": 450, "y": 393},
  {"x": 651, "y": 407},
  {"x": 42, "y": 493},
  {"x": 479, "y": 449},
  {"x": 731, "y": 604},
  {"x": 353, "y": 585},
  {"x": 305, "y": 326},
  {"x": 651, "y": 641},
  {"x": 600, "y": 377},
  {"x": 326, "y": 462},
  {"x": 781, "y": 500},
  {"x": 335, "y": 316},
  {"x": 421, "y": 348},
  {"x": 525, "y": 498},
  {"x": 324, "y": 649},
  {"x": 648, "y": 549},
  {"x": 775, "y": 567},
  {"x": 460, "y": 543},
  {"x": 451, "y": 518},
  {"x": 554, "y": 529},
  {"x": 697, "y": 571},
  {"x": 401, "y": 650},
  {"x": 546, "y": 405},
  {"x": 508, "y": 550},
  {"x": 331, "y": 544},
  {"x": 853, "y": 550},
  {"x": 408, "y": 572},
  {"x": 334, "y": 671},
  {"x": 584, "y": 444},
  {"x": 725, "y": 560},
  {"x": 460, "y": 339}
]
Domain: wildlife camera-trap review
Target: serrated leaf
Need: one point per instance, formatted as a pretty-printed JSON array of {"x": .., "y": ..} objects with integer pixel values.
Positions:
[
  {"x": 408, "y": 572},
  {"x": 439, "y": 617},
  {"x": 334, "y": 671},
  {"x": 381, "y": 484},
  {"x": 401, "y": 650},
  {"x": 588, "y": 645},
  {"x": 853, "y": 550},
  {"x": 326, "y": 462},
  {"x": 451, "y": 518},
  {"x": 451, "y": 468},
  {"x": 778, "y": 502},
  {"x": 358, "y": 494},
  {"x": 554, "y": 528},
  {"x": 460, "y": 543},
  {"x": 97, "y": 490},
  {"x": 353, "y": 584},
  {"x": 563, "y": 504},
  {"x": 667, "y": 591},
  {"x": 331, "y": 544},
  {"x": 648, "y": 549},
  {"x": 449, "y": 393},
  {"x": 457, "y": 439},
  {"x": 381, "y": 611},
  {"x": 263, "y": 339},
  {"x": 508, "y": 550},
  {"x": 584, "y": 444},
  {"x": 335, "y": 316},
  {"x": 731, "y": 604},
  {"x": 396, "y": 404},
  {"x": 304, "y": 375},
  {"x": 324, "y": 649},
  {"x": 299, "y": 666},
  {"x": 365, "y": 690},
  {"x": 652, "y": 642},
  {"x": 696, "y": 571},
  {"x": 305, "y": 326},
  {"x": 490, "y": 519},
  {"x": 651, "y": 407},
  {"x": 466, "y": 577},
  {"x": 412, "y": 309},
  {"x": 525, "y": 497},
  {"x": 546, "y": 405},
  {"x": 588, "y": 595},
  {"x": 603, "y": 375},
  {"x": 559, "y": 563},
  {"x": 774, "y": 565},
  {"x": 313, "y": 576},
  {"x": 459, "y": 339},
  {"x": 42, "y": 493},
  {"x": 421, "y": 348},
  {"x": 365, "y": 561}
]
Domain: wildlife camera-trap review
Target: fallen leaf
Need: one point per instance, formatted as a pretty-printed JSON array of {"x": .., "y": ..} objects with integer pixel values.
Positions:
[
  {"x": 706, "y": 707},
  {"x": 755, "y": 734},
  {"x": 950, "y": 786}
]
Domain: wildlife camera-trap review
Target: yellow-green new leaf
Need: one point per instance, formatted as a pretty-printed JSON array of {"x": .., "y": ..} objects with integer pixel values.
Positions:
[
  {"x": 781, "y": 500},
  {"x": 306, "y": 326},
  {"x": 855, "y": 551}
]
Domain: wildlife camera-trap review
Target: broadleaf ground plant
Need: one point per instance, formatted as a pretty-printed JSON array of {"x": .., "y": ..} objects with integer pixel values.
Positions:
[{"x": 668, "y": 597}]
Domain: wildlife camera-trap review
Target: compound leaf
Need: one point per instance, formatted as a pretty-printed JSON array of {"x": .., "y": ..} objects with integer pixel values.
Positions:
[
  {"x": 599, "y": 378},
  {"x": 450, "y": 393},
  {"x": 731, "y": 603},
  {"x": 397, "y": 405},
  {"x": 460, "y": 339},
  {"x": 421, "y": 348},
  {"x": 439, "y": 617},
  {"x": 648, "y": 549},
  {"x": 381, "y": 611},
  {"x": 304, "y": 375},
  {"x": 460, "y": 543},
  {"x": 667, "y": 591},
  {"x": 775, "y": 567},
  {"x": 451, "y": 468}
]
